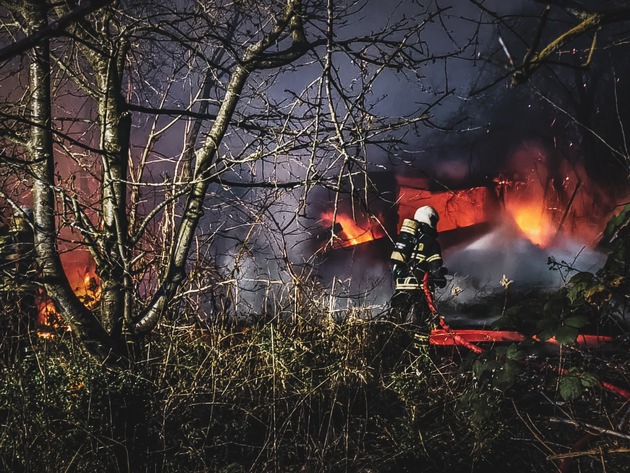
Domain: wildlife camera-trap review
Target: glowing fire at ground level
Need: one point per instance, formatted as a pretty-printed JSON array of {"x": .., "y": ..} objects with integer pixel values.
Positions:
[
  {"x": 84, "y": 281},
  {"x": 350, "y": 232},
  {"x": 466, "y": 208},
  {"x": 540, "y": 206},
  {"x": 458, "y": 210}
]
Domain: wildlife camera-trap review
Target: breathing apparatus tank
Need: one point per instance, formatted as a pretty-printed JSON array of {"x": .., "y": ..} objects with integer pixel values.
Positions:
[{"x": 406, "y": 242}]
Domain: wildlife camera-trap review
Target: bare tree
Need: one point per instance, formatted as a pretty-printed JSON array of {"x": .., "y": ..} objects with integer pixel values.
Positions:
[
  {"x": 171, "y": 106},
  {"x": 569, "y": 57}
]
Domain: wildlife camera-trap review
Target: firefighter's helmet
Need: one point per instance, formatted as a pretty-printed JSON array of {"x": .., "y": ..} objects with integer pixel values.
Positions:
[{"x": 428, "y": 215}]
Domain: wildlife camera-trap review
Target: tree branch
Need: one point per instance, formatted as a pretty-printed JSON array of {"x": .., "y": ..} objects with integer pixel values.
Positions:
[{"x": 55, "y": 28}]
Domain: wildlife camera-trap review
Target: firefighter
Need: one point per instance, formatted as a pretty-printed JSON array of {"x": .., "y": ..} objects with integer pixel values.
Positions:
[{"x": 416, "y": 253}]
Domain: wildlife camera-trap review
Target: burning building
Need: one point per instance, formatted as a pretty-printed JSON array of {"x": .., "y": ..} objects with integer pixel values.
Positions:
[{"x": 536, "y": 199}]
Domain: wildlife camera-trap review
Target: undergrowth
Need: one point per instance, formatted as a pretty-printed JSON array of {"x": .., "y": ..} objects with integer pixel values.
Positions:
[{"x": 358, "y": 396}]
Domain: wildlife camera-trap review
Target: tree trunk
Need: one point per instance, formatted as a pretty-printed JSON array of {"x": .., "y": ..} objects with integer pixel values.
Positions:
[
  {"x": 252, "y": 60},
  {"x": 107, "y": 63},
  {"x": 115, "y": 130},
  {"x": 175, "y": 272},
  {"x": 82, "y": 322}
]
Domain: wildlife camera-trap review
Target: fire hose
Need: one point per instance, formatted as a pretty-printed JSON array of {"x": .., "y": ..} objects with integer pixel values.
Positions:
[{"x": 459, "y": 340}]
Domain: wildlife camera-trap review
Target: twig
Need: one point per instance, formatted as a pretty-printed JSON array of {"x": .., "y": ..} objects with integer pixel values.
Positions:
[
  {"x": 529, "y": 424},
  {"x": 566, "y": 211},
  {"x": 593, "y": 451},
  {"x": 585, "y": 426},
  {"x": 54, "y": 28}
]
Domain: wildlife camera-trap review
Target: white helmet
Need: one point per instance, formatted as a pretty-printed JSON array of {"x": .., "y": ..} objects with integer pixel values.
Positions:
[{"x": 428, "y": 215}]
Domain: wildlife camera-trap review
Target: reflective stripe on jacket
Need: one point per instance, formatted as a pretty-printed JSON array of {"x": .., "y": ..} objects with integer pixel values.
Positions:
[{"x": 426, "y": 256}]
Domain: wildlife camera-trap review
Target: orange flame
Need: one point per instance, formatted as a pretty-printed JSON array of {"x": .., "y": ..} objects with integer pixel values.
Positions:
[
  {"x": 549, "y": 196},
  {"x": 90, "y": 290},
  {"x": 47, "y": 312},
  {"x": 534, "y": 221},
  {"x": 87, "y": 287},
  {"x": 352, "y": 233}
]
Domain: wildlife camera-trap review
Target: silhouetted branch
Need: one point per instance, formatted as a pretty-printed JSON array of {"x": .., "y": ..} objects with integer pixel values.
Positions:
[{"x": 56, "y": 28}]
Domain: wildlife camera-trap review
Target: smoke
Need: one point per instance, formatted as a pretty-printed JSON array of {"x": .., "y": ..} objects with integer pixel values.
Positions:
[{"x": 504, "y": 253}]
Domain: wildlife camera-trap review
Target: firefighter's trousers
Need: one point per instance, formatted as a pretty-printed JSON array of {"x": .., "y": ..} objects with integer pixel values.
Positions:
[{"x": 410, "y": 307}]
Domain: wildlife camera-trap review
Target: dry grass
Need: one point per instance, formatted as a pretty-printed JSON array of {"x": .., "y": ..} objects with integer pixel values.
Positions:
[{"x": 303, "y": 395}]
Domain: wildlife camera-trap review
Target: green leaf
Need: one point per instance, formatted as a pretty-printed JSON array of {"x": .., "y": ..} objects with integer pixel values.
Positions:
[
  {"x": 575, "y": 295},
  {"x": 588, "y": 380},
  {"x": 500, "y": 351},
  {"x": 615, "y": 223},
  {"x": 481, "y": 366},
  {"x": 548, "y": 322},
  {"x": 478, "y": 368},
  {"x": 513, "y": 353},
  {"x": 570, "y": 388},
  {"x": 547, "y": 333},
  {"x": 577, "y": 321},
  {"x": 554, "y": 306},
  {"x": 582, "y": 278},
  {"x": 515, "y": 311},
  {"x": 506, "y": 376},
  {"x": 579, "y": 284},
  {"x": 566, "y": 335}
]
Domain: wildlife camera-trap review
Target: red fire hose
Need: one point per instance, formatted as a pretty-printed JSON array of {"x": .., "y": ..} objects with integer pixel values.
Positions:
[{"x": 457, "y": 339}]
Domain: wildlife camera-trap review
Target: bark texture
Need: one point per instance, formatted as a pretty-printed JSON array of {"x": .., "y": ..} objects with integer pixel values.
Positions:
[{"x": 83, "y": 323}]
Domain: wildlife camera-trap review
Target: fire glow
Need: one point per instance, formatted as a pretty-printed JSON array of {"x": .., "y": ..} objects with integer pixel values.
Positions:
[
  {"x": 457, "y": 209},
  {"x": 86, "y": 286},
  {"x": 546, "y": 198},
  {"x": 350, "y": 232},
  {"x": 534, "y": 222}
]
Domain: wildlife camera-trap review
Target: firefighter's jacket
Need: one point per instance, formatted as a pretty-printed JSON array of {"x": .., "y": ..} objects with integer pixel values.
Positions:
[{"x": 426, "y": 256}]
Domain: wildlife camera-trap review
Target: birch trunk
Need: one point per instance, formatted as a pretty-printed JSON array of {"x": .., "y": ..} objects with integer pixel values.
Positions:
[{"x": 82, "y": 322}]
